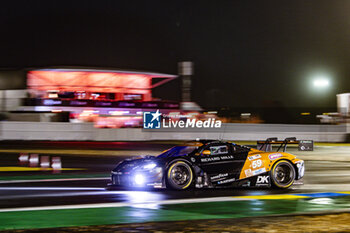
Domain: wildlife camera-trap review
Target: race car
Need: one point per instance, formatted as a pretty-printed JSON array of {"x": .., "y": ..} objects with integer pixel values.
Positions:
[{"x": 211, "y": 164}]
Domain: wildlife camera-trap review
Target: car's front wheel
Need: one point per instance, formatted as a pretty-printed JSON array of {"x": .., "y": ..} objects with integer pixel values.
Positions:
[
  {"x": 179, "y": 175},
  {"x": 282, "y": 174}
]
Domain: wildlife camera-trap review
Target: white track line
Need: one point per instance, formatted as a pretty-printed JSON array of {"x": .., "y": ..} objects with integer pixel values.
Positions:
[
  {"x": 65, "y": 194},
  {"x": 51, "y": 188},
  {"x": 124, "y": 204},
  {"x": 51, "y": 180}
]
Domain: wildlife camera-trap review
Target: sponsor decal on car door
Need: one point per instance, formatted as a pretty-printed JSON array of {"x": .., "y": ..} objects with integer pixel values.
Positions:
[{"x": 220, "y": 165}]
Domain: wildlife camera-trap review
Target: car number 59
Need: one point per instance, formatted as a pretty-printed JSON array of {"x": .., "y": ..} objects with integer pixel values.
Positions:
[{"x": 257, "y": 163}]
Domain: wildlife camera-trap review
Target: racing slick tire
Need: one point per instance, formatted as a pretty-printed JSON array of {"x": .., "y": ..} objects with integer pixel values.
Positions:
[
  {"x": 282, "y": 174},
  {"x": 179, "y": 176}
]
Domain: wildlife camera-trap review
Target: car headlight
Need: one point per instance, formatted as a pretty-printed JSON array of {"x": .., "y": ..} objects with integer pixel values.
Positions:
[
  {"x": 139, "y": 179},
  {"x": 149, "y": 166}
]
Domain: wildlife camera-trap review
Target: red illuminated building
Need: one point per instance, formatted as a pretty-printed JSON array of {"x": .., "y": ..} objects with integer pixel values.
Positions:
[
  {"x": 110, "y": 98},
  {"x": 94, "y": 84}
]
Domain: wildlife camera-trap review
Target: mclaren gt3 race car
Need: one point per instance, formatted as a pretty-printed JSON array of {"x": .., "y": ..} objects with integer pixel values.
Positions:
[{"x": 210, "y": 164}]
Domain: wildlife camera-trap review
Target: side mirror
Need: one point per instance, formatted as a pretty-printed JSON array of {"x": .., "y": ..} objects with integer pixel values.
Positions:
[{"x": 206, "y": 152}]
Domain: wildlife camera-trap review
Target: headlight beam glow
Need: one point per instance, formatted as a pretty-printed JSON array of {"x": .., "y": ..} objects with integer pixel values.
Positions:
[{"x": 139, "y": 179}]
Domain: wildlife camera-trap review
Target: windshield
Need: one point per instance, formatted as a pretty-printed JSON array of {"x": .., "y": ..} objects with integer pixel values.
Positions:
[{"x": 177, "y": 151}]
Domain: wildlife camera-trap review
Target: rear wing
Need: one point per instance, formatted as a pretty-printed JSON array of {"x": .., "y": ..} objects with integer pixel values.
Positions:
[{"x": 303, "y": 145}]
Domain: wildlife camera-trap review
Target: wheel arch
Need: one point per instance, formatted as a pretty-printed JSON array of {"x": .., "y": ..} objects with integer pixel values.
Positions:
[{"x": 169, "y": 163}]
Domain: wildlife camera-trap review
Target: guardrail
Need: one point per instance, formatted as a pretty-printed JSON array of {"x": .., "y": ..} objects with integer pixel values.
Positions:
[{"x": 62, "y": 131}]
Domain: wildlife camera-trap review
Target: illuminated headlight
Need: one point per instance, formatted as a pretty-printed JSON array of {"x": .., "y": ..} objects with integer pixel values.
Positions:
[
  {"x": 139, "y": 179},
  {"x": 149, "y": 166}
]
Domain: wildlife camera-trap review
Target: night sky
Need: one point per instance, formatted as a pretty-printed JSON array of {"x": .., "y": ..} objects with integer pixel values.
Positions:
[{"x": 246, "y": 53}]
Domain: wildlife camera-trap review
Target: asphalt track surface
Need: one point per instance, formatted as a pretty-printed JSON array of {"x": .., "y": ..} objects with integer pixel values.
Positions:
[
  {"x": 86, "y": 187},
  {"x": 321, "y": 176}
]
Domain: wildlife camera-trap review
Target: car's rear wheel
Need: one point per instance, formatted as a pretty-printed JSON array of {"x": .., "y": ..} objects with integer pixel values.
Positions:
[
  {"x": 282, "y": 174},
  {"x": 179, "y": 175}
]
